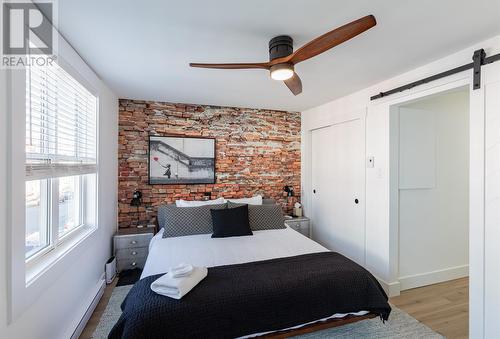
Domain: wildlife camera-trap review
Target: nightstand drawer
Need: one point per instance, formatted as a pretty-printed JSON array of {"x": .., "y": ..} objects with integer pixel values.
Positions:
[
  {"x": 294, "y": 225},
  {"x": 304, "y": 227},
  {"x": 130, "y": 263},
  {"x": 132, "y": 241},
  {"x": 131, "y": 252},
  {"x": 301, "y": 225}
]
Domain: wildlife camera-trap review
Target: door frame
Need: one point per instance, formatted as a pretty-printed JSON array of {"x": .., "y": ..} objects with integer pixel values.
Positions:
[
  {"x": 476, "y": 192},
  {"x": 389, "y": 106},
  {"x": 395, "y": 173}
]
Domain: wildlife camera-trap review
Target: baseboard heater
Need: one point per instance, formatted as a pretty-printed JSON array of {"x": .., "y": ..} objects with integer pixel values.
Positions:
[
  {"x": 88, "y": 313},
  {"x": 479, "y": 59}
]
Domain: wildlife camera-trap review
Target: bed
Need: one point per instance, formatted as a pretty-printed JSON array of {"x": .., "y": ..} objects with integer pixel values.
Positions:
[{"x": 276, "y": 283}]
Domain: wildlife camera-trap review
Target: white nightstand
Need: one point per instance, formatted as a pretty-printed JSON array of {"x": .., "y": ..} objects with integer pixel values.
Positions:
[
  {"x": 300, "y": 224},
  {"x": 131, "y": 247}
]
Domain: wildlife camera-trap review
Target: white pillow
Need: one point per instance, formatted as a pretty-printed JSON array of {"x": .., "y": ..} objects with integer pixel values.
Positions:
[
  {"x": 196, "y": 203},
  {"x": 257, "y": 200}
]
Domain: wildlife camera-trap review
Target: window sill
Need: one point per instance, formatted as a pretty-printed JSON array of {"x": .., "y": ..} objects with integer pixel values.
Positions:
[{"x": 37, "y": 267}]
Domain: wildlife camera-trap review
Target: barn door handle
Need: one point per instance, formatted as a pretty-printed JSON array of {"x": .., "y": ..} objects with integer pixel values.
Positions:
[{"x": 356, "y": 201}]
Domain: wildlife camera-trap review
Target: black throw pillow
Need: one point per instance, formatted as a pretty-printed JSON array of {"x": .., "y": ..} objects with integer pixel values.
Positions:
[{"x": 230, "y": 223}]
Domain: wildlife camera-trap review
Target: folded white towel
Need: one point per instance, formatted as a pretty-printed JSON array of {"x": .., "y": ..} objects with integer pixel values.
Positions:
[
  {"x": 178, "y": 287},
  {"x": 182, "y": 270}
]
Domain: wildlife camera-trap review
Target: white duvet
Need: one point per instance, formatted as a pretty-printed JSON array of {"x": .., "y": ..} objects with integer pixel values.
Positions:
[{"x": 202, "y": 250}]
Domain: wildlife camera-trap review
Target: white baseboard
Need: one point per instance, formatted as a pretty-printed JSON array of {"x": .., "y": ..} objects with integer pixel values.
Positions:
[
  {"x": 391, "y": 289},
  {"x": 433, "y": 277},
  {"x": 89, "y": 308}
]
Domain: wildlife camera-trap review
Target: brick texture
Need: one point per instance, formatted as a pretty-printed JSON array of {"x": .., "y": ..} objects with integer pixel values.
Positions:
[{"x": 257, "y": 152}]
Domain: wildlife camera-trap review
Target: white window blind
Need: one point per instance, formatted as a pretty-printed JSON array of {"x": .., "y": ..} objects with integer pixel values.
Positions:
[{"x": 60, "y": 125}]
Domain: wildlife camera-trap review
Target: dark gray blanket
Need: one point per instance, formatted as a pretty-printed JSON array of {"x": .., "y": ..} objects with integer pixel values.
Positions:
[{"x": 237, "y": 300}]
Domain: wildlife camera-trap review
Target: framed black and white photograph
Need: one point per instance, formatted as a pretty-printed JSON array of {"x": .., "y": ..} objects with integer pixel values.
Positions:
[{"x": 181, "y": 160}]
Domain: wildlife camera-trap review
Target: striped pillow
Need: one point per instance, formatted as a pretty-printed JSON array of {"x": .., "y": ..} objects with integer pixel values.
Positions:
[
  {"x": 263, "y": 217},
  {"x": 181, "y": 221}
]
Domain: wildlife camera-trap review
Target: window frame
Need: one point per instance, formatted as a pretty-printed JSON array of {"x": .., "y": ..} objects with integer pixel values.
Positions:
[
  {"x": 59, "y": 245},
  {"x": 81, "y": 208},
  {"x": 45, "y": 209},
  {"x": 24, "y": 284},
  {"x": 51, "y": 214}
]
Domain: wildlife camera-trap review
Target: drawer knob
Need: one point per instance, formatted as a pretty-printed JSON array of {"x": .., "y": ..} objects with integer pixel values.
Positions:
[
  {"x": 133, "y": 242},
  {"x": 133, "y": 264},
  {"x": 134, "y": 252}
]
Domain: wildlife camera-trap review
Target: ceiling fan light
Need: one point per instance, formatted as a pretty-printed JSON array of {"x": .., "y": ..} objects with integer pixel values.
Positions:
[{"x": 281, "y": 72}]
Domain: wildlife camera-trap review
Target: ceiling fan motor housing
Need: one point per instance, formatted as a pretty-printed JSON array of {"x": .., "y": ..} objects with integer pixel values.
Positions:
[{"x": 280, "y": 46}]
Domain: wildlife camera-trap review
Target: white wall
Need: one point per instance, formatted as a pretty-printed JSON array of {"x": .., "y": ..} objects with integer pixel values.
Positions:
[
  {"x": 434, "y": 217},
  {"x": 3, "y": 202},
  {"x": 75, "y": 280}
]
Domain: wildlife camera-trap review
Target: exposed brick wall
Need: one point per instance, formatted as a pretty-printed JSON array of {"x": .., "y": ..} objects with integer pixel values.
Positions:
[{"x": 257, "y": 152}]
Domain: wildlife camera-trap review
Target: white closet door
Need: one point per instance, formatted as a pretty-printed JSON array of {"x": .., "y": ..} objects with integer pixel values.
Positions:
[
  {"x": 321, "y": 164},
  {"x": 338, "y": 181}
]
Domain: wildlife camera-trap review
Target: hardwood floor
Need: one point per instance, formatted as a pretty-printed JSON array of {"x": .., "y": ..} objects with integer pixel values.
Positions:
[{"x": 443, "y": 307}]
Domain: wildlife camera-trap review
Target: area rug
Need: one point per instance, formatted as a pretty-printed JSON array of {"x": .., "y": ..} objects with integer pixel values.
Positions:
[
  {"x": 129, "y": 277},
  {"x": 400, "y": 324}
]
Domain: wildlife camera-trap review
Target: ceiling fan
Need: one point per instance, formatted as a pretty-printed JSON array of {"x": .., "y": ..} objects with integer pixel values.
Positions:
[{"x": 282, "y": 59}]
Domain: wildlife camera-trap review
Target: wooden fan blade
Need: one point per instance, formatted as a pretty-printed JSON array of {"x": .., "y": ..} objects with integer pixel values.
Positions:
[
  {"x": 263, "y": 65},
  {"x": 294, "y": 84},
  {"x": 333, "y": 38}
]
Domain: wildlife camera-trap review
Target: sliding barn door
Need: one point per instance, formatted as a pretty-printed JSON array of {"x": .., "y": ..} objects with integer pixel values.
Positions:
[
  {"x": 485, "y": 172},
  {"x": 338, "y": 182}
]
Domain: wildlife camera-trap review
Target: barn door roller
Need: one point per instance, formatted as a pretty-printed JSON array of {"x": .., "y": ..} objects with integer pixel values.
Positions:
[{"x": 478, "y": 61}]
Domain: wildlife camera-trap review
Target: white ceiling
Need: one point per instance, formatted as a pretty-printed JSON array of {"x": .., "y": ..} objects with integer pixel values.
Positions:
[{"x": 141, "y": 49}]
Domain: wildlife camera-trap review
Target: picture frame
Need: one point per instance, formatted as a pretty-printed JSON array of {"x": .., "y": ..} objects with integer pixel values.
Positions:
[{"x": 174, "y": 159}]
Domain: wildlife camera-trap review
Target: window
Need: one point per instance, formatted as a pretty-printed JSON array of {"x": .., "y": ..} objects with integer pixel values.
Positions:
[
  {"x": 61, "y": 161},
  {"x": 69, "y": 204},
  {"x": 37, "y": 235}
]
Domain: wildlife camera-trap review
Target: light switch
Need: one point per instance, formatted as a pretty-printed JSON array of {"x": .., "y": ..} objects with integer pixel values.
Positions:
[{"x": 370, "y": 161}]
